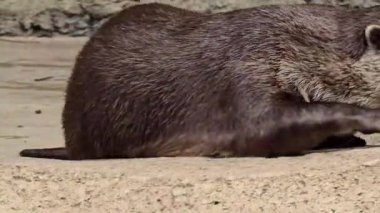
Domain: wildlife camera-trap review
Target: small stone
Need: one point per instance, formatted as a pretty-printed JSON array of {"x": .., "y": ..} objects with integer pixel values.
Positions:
[
  {"x": 371, "y": 163},
  {"x": 215, "y": 202},
  {"x": 38, "y": 111}
]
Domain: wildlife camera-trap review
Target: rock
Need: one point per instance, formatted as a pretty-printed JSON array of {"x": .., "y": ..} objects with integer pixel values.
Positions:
[
  {"x": 10, "y": 26},
  {"x": 100, "y": 9},
  {"x": 81, "y": 17},
  {"x": 43, "y": 21}
]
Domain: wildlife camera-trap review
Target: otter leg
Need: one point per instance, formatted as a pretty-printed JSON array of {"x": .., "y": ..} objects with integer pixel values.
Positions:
[
  {"x": 202, "y": 144},
  {"x": 341, "y": 142},
  {"x": 297, "y": 128},
  {"x": 286, "y": 132}
]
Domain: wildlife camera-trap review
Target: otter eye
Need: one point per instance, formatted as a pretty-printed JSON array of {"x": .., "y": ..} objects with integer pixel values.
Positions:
[{"x": 372, "y": 34}]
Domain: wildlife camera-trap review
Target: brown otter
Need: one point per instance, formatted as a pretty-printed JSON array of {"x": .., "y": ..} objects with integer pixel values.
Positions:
[{"x": 156, "y": 80}]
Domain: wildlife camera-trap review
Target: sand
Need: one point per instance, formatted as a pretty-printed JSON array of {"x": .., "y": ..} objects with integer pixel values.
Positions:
[{"x": 33, "y": 74}]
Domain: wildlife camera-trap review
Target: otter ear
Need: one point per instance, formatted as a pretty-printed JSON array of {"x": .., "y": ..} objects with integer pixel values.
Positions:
[{"x": 372, "y": 35}]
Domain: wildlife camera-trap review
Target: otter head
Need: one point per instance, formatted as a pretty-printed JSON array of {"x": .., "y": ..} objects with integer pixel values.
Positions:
[
  {"x": 368, "y": 69},
  {"x": 328, "y": 77}
]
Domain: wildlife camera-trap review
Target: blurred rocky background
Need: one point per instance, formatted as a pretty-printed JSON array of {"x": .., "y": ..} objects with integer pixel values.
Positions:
[{"x": 81, "y": 17}]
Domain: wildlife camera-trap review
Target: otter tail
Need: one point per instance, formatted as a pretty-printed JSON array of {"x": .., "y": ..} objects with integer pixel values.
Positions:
[{"x": 54, "y": 153}]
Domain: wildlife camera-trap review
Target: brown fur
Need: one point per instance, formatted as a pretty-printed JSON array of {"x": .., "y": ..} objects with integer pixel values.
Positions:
[{"x": 161, "y": 81}]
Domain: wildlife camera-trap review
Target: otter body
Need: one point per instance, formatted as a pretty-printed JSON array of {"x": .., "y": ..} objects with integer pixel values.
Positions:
[{"x": 157, "y": 81}]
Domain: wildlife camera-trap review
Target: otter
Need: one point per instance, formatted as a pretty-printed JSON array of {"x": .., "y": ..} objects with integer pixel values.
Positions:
[{"x": 160, "y": 81}]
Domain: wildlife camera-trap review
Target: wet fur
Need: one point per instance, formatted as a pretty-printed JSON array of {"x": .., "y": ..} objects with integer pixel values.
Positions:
[{"x": 161, "y": 81}]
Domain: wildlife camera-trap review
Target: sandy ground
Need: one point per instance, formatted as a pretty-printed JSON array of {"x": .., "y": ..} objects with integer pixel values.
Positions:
[{"x": 33, "y": 73}]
